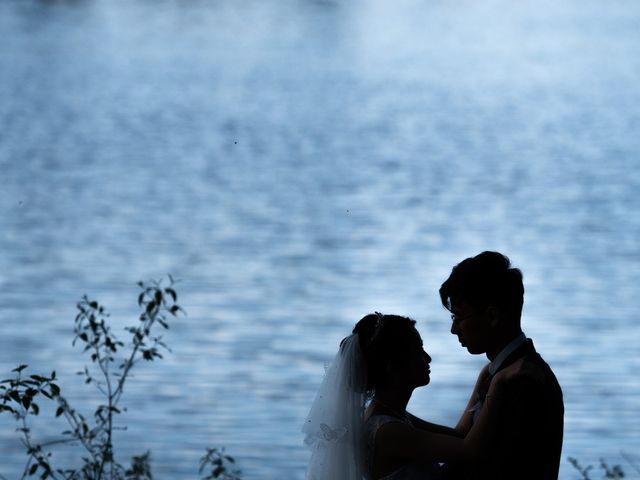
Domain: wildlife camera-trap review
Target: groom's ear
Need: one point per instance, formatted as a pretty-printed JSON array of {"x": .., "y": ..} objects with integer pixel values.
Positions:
[{"x": 494, "y": 316}]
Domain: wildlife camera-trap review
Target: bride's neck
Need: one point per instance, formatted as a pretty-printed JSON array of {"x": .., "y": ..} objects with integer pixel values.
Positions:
[{"x": 393, "y": 399}]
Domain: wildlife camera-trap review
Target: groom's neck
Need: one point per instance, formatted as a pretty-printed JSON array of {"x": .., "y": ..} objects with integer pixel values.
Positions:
[{"x": 501, "y": 342}]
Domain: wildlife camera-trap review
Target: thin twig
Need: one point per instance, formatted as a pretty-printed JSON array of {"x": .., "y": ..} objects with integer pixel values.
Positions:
[
  {"x": 58, "y": 442},
  {"x": 73, "y": 423},
  {"x": 129, "y": 364},
  {"x": 630, "y": 461},
  {"x": 27, "y": 441}
]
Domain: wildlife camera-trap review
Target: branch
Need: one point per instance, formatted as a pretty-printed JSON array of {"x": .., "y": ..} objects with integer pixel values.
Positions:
[{"x": 630, "y": 461}]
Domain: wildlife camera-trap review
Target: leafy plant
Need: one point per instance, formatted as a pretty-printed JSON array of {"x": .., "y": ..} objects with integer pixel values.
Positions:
[
  {"x": 109, "y": 375},
  {"x": 219, "y": 462},
  {"x": 140, "y": 468},
  {"x": 614, "y": 472}
]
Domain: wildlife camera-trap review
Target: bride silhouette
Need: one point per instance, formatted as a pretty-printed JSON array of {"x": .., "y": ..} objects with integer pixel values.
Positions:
[{"x": 358, "y": 426}]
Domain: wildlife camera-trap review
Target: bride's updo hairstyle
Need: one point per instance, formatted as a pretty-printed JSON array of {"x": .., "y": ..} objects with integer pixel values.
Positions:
[{"x": 383, "y": 340}]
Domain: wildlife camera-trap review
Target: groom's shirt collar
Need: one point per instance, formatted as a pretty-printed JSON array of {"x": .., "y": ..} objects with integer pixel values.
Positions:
[{"x": 511, "y": 347}]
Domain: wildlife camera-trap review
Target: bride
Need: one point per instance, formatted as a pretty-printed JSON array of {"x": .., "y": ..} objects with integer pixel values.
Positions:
[{"x": 358, "y": 426}]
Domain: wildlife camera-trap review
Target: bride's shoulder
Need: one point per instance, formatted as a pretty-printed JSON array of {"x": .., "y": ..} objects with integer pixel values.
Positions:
[{"x": 377, "y": 420}]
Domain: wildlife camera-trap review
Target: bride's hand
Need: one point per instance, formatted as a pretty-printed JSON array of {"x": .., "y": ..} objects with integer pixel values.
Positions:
[
  {"x": 521, "y": 368},
  {"x": 482, "y": 383}
]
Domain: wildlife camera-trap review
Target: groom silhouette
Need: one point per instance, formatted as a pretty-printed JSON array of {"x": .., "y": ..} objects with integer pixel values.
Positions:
[{"x": 485, "y": 296}]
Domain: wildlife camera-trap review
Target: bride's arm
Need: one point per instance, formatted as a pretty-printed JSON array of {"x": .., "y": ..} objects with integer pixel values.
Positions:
[
  {"x": 522, "y": 376},
  {"x": 466, "y": 419},
  {"x": 433, "y": 427},
  {"x": 399, "y": 440}
]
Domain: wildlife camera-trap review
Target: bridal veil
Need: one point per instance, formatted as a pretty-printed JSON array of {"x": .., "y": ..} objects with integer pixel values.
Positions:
[{"x": 334, "y": 429}]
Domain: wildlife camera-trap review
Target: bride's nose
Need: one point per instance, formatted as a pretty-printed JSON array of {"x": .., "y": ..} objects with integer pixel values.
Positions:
[{"x": 427, "y": 358}]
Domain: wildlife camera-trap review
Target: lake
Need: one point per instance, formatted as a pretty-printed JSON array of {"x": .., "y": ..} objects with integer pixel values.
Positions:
[{"x": 298, "y": 164}]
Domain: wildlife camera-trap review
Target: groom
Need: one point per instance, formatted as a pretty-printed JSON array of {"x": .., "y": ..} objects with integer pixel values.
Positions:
[{"x": 485, "y": 295}]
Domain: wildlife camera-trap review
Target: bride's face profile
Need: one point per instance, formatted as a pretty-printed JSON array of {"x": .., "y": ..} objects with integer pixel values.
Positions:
[
  {"x": 418, "y": 361},
  {"x": 413, "y": 370}
]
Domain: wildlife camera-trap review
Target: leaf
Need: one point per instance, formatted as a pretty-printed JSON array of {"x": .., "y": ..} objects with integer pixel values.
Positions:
[
  {"x": 171, "y": 292},
  {"x": 7, "y": 408},
  {"x": 55, "y": 389},
  {"x": 19, "y": 368},
  {"x": 93, "y": 305},
  {"x": 33, "y": 469},
  {"x": 59, "y": 411},
  {"x": 150, "y": 306},
  {"x": 35, "y": 408},
  {"x": 140, "y": 299}
]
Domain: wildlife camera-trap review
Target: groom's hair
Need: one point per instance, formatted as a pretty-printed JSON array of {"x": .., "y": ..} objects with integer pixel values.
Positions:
[
  {"x": 486, "y": 280},
  {"x": 383, "y": 341}
]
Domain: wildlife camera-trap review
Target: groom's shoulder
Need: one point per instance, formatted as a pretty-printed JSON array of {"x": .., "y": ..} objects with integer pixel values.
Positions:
[
  {"x": 535, "y": 358},
  {"x": 547, "y": 380}
]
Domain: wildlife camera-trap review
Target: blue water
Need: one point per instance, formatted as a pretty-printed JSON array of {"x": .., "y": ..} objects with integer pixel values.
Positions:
[{"x": 298, "y": 164}]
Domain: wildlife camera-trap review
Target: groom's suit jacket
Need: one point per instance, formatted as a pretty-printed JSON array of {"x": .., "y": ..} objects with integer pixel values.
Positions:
[{"x": 529, "y": 431}]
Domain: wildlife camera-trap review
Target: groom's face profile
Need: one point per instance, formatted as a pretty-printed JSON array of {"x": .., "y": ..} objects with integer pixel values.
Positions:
[{"x": 471, "y": 327}]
